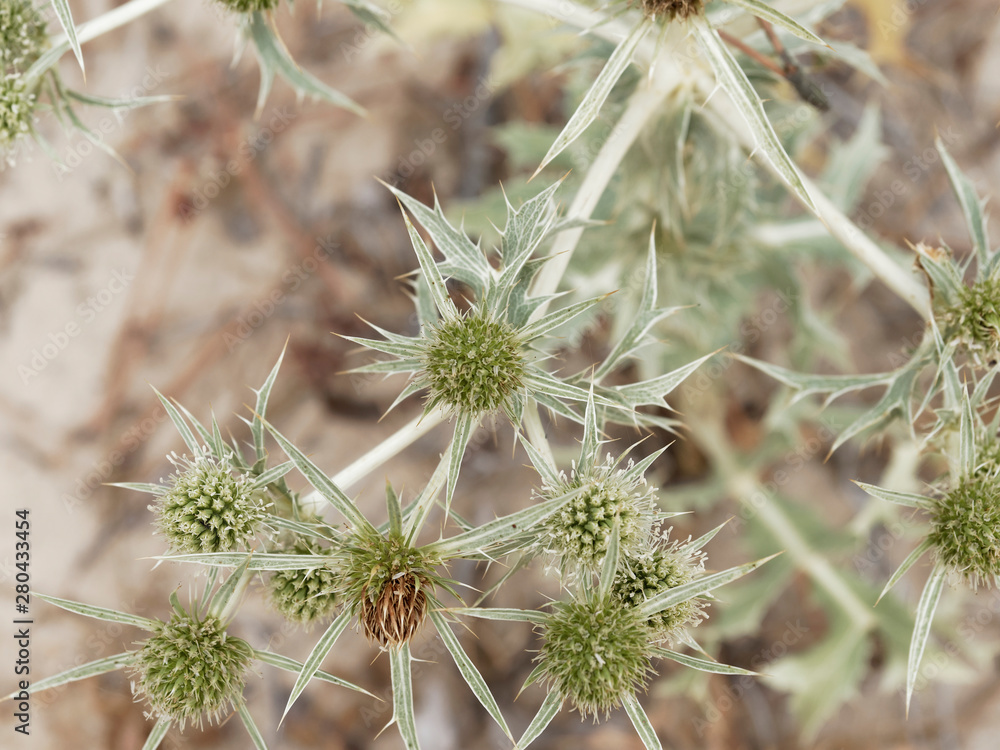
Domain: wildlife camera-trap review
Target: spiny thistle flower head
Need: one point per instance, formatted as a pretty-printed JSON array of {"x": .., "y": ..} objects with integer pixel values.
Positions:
[
  {"x": 23, "y": 36},
  {"x": 665, "y": 567},
  {"x": 974, "y": 319},
  {"x": 579, "y": 533},
  {"x": 190, "y": 669},
  {"x": 594, "y": 652},
  {"x": 17, "y": 112},
  {"x": 387, "y": 583},
  {"x": 670, "y": 9},
  {"x": 249, "y": 6},
  {"x": 965, "y": 530},
  {"x": 472, "y": 364},
  {"x": 204, "y": 508},
  {"x": 304, "y": 596}
]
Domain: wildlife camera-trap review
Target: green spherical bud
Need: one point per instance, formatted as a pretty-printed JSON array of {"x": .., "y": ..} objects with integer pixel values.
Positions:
[
  {"x": 473, "y": 365},
  {"x": 579, "y": 533},
  {"x": 17, "y": 112},
  {"x": 595, "y": 652},
  {"x": 965, "y": 530},
  {"x": 974, "y": 320},
  {"x": 642, "y": 578},
  {"x": 191, "y": 669},
  {"x": 249, "y": 6},
  {"x": 23, "y": 37},
  {"x": 206, "y": 509},
  {"x": 387, "y": 583},
  {"x": 304, "y": 596},
  {"x": 671, "y": 9}
]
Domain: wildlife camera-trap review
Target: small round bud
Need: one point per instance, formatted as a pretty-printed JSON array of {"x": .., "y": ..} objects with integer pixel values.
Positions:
[
  {"x": 190, "y": 669},
  {"x": 206, "y": 509},
  {"x": 595, "y": 652},
  {"x": 473, "y": 364},
  {"x": 22, "y": 35},
  {"x": 642, "y": 578},
  {"x": 579, "y": 533},
  {"x": 304, "y": 596},
  {"x": 966, "y": 529}
]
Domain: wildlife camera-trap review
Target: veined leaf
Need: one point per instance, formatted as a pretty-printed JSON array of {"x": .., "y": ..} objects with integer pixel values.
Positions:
[
  {"x": 762, "y": 10},
  {"x": 61, "y": 7},
  {"x": 908, "y": 499},
  {"x": 159, "y": 732},
  {"x": 90, "y": 669},
  {"x": 312, "y": 664},
  {"x": 99, "y": 613},
  {"x": 402, "y": 696},
  {"x": 546, "y": 713},
  {"x": 908, "y": 563},
  {"x": 971, "y": 206},
  {"x": 922, "y": 627},
  {"x": 698, "y": 586},
  {"x": 641, "y": 722},
  {"x": 255, "y": 736}
]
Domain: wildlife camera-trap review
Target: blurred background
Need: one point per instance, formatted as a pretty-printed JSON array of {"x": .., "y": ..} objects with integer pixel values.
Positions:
[{"x": 189, "y": 273}]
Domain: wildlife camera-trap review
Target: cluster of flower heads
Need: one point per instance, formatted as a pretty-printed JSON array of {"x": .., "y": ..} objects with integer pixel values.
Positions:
[{"x": 23, "y": 38}]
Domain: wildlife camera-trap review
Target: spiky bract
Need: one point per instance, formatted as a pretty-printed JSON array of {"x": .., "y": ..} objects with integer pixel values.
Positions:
[
  {"x": 595, "y": 652},
  {"x": 643, "y": 577},
  {"x": 965, "y": 529},
  {"x": 191, "y": 669},
  {"x": 249, "y": 6},
  {"x": 304, "y": 596},
  {"x": 387, "y": 583},
  {"x": 206, "y": 509},
  {"x": 580, "y": 532},
  {"x": 974, "y": 319},
  {"x": 472, "y": 364},
  {"x": 670, "y": 9}
]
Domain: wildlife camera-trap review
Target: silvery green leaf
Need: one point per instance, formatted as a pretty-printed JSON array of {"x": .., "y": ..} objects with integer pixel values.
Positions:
[
  {"x": 90, "y": 669},
  {"x": 469, "y": 672},
  {"x": 371, "y": 15},
  {"x": 545, "y": 469},
  {"x": 945, "y": 275},
  {"x": 260, "y": 409},
  {"x": 808, "y": 384},
  {"x": 251, "y": 727},
  {"x": 546, "y": 713},
  {"x": 463, "y": 260},
  {"x": 697, "y": 587},
  {"x": 762, "y": 10},
  {"x": 272, "y": 475},
  {"x": 922, "y": 627},
  {"x": 641, "y": 722},
  {"x": 908, "y": 563},
  {"x": 653, "y": 392},
  {"x": 402, "y": 696},
  {"x": 553, "y": 320},
  {"x": 429, "y": 270},
  {"x": 971, "y": 206},
  {"x": 125, "y": 103},
  {"x": 852, "y": 163},
  {"x": 323, "y": 484},
  {"x": 464, "y": 426},
  {"x": 61, "y": 7},
  {"x": 498, "y": 530},
  {"x": 900, "y": 498},
  {"x": 274, "y": 58},
  {"x": 175, "y": 416},
  {"x": 702, "y": 665},
  {"x": 610, "y": 565},
  {"x": 425, "y": 500},
  {"x": 697, "y": 544},
  {"x": 591, "y": 432},
  {"x": 295, "y": 667},
  {"x": 255, "y": 561},
  {"x": 151, "y": 489},
  {"x": 590, "y": 107},
  {"x": 315, "y": 659},
  {"x": 966, "y": 439},
  {"x": 390, "y": 367},
  {"x": 231, "y": 591},
  {"x": 100, "y": 613},
  {"x": 525, "y": 229},
  {"x": 540, "y": 382},
  {"x": 500, "y": 613},
  {"x": 205, "y": 435},
  {"x": 159, "y": 732},
  {"x": 309, "y": 530},
  {"x": 734, "y": 81}
]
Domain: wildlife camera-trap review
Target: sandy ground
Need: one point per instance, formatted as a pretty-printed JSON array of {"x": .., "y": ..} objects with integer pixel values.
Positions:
[{"x": 173, "y": 275}]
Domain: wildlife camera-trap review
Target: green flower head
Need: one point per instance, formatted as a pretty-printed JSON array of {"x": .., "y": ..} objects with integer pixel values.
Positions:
[
  {"x": 191, "y": 669},
  {"x": 249, "y": 6},
  {"x": 304, "y": 596},
  {"x": 579, "y": 533},
  {"x": 23, "y": 37},
  {"x": 965, "y": 528},
  {"x": 17, "y": 113},
  {"x": 662, "y": 568},
  {"x": 594, "y": 653},
  {"x": 205, "y": 508},
  {"x": 974, "y": 319},
  {"x": 670, "y": 9}
]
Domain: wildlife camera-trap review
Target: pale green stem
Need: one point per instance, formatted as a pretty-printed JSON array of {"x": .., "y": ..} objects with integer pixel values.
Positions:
[
  {"x": 536, "y": 432},
  {"x": 90, "y": 30},
  {"x": 747, "y": 489}
]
